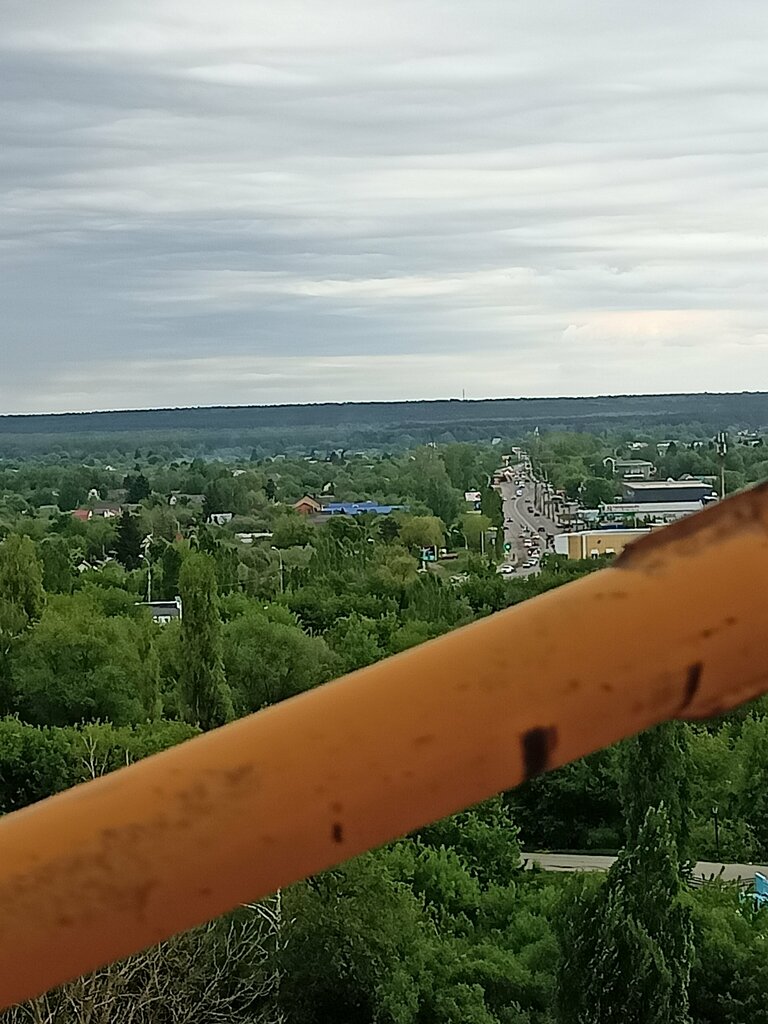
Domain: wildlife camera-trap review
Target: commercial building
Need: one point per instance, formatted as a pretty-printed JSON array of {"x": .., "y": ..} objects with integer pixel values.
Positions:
[
  {"x": 640, "y": 513},
  {"x": 593, "y": 543},
  {"x": 357, "y": 508},
  {"x": 630, "y": 469},
  {"x": 643, "y": 492}
]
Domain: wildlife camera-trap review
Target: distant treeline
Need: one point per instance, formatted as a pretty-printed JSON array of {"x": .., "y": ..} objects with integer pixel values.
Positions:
[
  {"x": 746, "y": 408},
  {"x": 262, "y": 431}
]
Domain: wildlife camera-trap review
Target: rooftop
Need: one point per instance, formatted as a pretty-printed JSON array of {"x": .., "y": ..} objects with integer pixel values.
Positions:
[
  {"x": 655, "y": 485},
  {"x": 356, "y": 508}
]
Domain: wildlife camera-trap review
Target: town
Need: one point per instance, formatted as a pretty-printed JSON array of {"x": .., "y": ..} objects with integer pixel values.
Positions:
[
  {"x": 149, "y": 593},
  {"x": 383, "y": 513}
]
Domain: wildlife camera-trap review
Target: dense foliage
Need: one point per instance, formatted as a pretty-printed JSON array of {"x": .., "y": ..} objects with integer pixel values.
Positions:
[{"x": 442, "y": 927}]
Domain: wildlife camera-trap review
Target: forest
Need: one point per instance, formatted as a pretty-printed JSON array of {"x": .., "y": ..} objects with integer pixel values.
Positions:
[
  {"x": 274, "y": 429},
  {"x": 447, "y": 925}
]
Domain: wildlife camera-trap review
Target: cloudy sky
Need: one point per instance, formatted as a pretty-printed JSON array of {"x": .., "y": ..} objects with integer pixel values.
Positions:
[{"x": 251, "y": 201}]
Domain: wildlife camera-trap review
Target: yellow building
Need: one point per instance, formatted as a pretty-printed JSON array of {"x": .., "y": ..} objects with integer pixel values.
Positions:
[{"x": 593, "y": 543}]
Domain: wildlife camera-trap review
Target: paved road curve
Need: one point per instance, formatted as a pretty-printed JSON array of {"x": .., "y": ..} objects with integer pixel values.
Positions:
[
  {"x": 582, "y": 862},
  {"x": 516, "y": 516}
]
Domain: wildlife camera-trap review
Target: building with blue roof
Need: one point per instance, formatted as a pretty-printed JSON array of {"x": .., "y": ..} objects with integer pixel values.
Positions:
[{"x": 357, "y": 508}]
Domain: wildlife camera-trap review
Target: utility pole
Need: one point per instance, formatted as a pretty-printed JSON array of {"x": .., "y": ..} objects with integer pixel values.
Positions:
[{"x": 722, "y": 449}]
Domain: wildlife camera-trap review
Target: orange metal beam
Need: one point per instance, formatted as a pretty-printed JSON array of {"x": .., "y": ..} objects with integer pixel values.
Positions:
[{"x": 675, "y": 629}]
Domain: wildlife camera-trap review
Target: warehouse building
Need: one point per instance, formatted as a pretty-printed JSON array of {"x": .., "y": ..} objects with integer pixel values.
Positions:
[
  {"x": 593, "y": 543},
  {"x": 644, "y": 491}
]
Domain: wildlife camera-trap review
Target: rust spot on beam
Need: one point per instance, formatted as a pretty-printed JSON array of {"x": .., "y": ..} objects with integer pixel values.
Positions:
[
  {"x": 538, "y": 745},
  {"x": 692, "y": 682}
]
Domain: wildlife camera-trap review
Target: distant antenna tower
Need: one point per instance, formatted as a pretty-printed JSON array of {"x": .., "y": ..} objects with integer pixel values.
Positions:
[{"x": 463, "y": 395}]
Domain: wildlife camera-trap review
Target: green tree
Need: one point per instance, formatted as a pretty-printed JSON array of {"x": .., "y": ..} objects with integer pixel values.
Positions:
[
  {"x": 474, "y": 526},
  {"x": 595, "y": 491},
  {"x": 128, "y": 541},
  {"x": 427, "y": 481},
  {"x": 79, "y": 665},
  {"x": 291, "y": 530},
  {"x": 655, "y": 767},
  {"x": 627, "y": 949},
  {"x": 484, "y": 836},
  {"x": 460, "y": 460},
  {"x": 205, "y": 694},
  {"x": 267, "y": 661},
  {"x": 356, "y": 946},
  {"x": 170, "y": 565},
  {"x": 137, "y": 488},
  {"x": 389, "y": 529},
  {"x": 34, "y": 764},
  {"x": 56, "y": 558},
  {"x": 751, "y": 778},
  {"x": 492, "y": 506},
  {"x": 21, "y": 585},
  {"x": 729, "y": 978},
  {"x": 575, "y": 807},
  {"x": 422, "y": 532},
  {"x": 355, "y": 641},
  {"x": 72, "y": 494}
]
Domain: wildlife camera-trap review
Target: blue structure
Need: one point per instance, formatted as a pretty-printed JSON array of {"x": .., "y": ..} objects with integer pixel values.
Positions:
[
  {"x": 357, "y": 508},
  {"x": 760, "y": 895}
]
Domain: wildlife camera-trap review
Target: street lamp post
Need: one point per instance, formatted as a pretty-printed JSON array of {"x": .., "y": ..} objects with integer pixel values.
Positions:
[
  {"x": 722, "y": 450},
  {"x": 282, "y": 570},
  {"x": 145, "y": 546}
]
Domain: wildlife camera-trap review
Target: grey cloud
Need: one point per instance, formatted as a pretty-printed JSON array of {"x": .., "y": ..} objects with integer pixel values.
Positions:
[{"x": 205, "y": 188}]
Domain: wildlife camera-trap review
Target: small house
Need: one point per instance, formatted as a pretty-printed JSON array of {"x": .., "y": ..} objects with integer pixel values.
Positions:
[{"x": 307, "y": 506}]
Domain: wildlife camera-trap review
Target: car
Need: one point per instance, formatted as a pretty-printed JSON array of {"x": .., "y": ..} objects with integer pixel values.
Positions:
[
  {"x": 542, "y": 530},
  {"x": 529, "y": 564},
  {"x": 530, "y": 510},
  {"x": 506, "y": 570}
]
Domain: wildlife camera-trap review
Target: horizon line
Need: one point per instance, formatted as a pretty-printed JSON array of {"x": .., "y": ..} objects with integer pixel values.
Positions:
[{"x": 388, "y": 401}]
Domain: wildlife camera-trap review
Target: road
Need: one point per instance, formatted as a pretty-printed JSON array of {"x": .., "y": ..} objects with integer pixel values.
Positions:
[
  {"x": 704, "y": 869},
  {"x": 517, "y": 518}
]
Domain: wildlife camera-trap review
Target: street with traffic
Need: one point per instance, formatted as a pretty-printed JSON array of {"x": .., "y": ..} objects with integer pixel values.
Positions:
[{"x": 527, "y": 531}]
